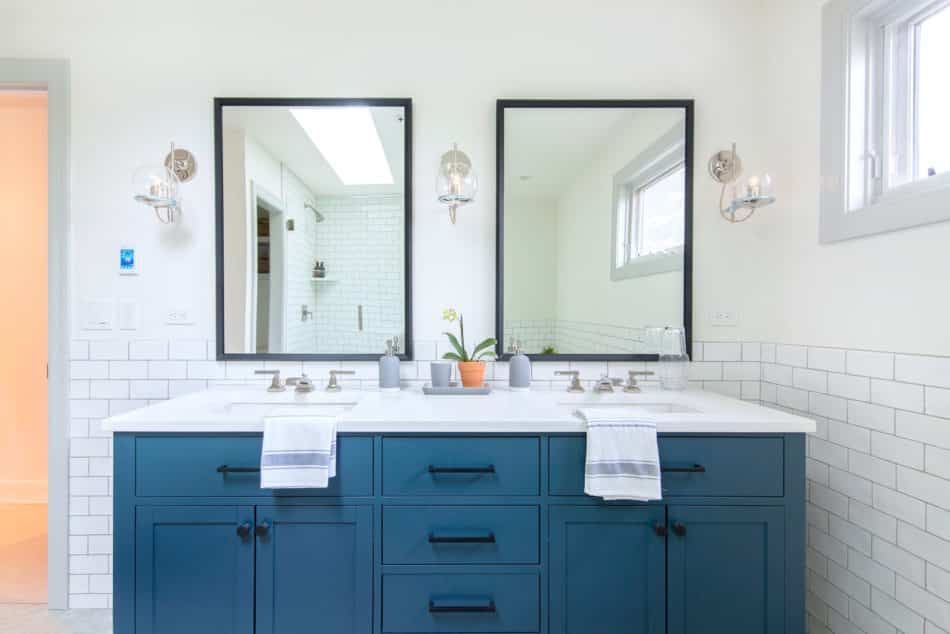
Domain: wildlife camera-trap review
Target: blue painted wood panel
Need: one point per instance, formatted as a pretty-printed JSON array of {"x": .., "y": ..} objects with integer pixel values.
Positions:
[
  {"x": 169, "y": 466},
  {"x": 734, "y": 466},
  {"x": 727, "y": 571},
  {"x": 461, "y": 603},
  {"x": 607, "y": 572},
  {"x": 460, "y": 465},
  {"x": 460, "y": 535},
  {"x": 315, "y": 570},
  {"x": 193, "y": 573}
]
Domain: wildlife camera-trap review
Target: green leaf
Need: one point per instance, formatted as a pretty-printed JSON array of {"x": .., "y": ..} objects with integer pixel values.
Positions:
[
  {"x": 458, "y": 347},
  {"x": 487, "y": 343},
  {"x": 452, "y": 356}
]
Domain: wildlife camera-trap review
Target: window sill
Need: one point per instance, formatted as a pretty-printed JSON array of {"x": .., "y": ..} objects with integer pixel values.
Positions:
[
  {"x": 911, "y": 205},
  {"x": 647, "y": 265}
]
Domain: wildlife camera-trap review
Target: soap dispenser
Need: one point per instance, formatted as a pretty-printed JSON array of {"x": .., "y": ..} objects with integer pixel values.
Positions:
[
  {"x": 519, "y": 368},
  {"x": 389, "y": 366}
]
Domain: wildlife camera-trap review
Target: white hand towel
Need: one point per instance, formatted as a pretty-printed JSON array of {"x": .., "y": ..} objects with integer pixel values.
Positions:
[
  {"x": 623, "y": 461},
  {"x": 299, "y": 452}
]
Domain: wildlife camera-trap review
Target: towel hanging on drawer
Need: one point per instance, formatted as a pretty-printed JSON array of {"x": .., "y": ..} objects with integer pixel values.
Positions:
[
  {"x": 623, "y": 460},
  {"x": 299, "y": 452}
]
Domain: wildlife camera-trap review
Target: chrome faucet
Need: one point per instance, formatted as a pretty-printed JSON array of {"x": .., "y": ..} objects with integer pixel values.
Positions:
[
  {"x": 606, "y": 384},
  {"x": 631, "y": 386},
  {"x": 575, "y": 385},
  {"x": 302, "y": 384},
  {"x": 333, "y": 386},
  {"x": 275, "y": 384}
]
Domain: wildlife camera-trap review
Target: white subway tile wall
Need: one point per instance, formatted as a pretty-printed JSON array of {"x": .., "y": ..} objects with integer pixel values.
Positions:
[
  {"x": 878, "y": 467},
  {"x": 878, "y": 509}
]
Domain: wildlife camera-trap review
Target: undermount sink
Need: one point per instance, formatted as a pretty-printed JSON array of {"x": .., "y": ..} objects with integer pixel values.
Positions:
[
  {"x": 634, "y": 403},
  {"x": 289, "y": 409}
]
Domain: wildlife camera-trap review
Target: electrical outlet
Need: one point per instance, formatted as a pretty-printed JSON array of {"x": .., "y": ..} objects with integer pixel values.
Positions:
[
  {"x": 178, "y": 317},
  {"x": 724, "y": 318}
]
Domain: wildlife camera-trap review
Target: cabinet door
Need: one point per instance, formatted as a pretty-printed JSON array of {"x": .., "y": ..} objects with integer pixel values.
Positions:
[
  {"x": 726, "y": 570},
  {"x": 607, "y": 570},
  {"x": 314, "y": 570},
  {"x": 194, "y": 570}
]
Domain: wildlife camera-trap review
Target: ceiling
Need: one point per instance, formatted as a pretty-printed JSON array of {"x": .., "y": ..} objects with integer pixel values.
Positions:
[
  {"x": 547, "y": 148},
  {"x": 275, "y": 129}
]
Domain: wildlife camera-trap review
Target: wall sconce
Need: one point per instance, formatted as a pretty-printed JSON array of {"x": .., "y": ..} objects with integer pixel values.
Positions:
[
  {"x": 457, "y": 183},
  {"x": 747, "y": 195},
  {"x": 157, "y": 185}
]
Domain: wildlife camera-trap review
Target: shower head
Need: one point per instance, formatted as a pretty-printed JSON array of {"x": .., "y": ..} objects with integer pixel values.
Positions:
[{"x": 320, "y": 217}]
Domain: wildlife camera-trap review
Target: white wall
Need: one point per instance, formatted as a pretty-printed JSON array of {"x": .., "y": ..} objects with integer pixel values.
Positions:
[
  {"x": 131, "y": 97},
  {"x": 885, "y": 292},
  {"x": 584, "y": 232}
]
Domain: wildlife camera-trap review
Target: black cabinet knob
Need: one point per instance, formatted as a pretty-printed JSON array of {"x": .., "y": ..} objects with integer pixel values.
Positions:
[
  {"x": 660, "y": 530},
  {"x": 262, "y": 529},
  {"x": 679, "y": 529},
  {"x": 243, "y": 530}
]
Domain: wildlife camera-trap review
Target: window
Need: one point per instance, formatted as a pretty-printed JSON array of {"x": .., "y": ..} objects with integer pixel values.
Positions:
[
  {"x": 884, "y": 105},
  {"x": 649, "y": 225},
  {"x": 654, "y": 222}
]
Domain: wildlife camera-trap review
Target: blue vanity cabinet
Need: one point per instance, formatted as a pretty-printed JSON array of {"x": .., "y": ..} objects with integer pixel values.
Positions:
[
  {"x": 194, "y": 570},
  {"x": 449, "y": 533},
  {"x": 726, "y": 569},
  {"x": 608, "y": 570},
  {"x": 314, "y": 570}
]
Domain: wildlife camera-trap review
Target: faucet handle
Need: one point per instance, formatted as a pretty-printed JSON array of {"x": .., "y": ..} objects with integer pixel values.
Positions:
[
  {"x": 631, "y": 385},
  {"x": 275, "y": 384},
  {"x": 333, "y": 385},
  {"x": 575, "y": 385}
]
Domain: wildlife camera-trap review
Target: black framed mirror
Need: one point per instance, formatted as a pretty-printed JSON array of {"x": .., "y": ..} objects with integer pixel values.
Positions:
[
  {"x": 313, "y": 235},
  {"x": 594, "y": 226}
]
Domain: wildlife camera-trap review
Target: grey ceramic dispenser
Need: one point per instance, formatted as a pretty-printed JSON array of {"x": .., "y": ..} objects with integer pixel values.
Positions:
[
  {"x": 389, "y": 366},
  {"x": 519, "y": 368}
]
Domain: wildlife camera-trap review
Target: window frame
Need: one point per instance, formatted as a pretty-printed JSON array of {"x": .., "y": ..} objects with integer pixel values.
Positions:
[
  {"x": 664, "y": 156},
  {"x": 867, "y": 108}
]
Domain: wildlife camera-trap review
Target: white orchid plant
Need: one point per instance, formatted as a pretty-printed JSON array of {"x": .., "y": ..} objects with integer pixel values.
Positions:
[{"x": 481, "y": 351}]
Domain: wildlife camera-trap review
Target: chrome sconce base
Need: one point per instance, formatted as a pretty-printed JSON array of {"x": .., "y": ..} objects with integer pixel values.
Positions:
[
  {"x": 158, "y": 185},
  {"x": 725, "y": 167}
]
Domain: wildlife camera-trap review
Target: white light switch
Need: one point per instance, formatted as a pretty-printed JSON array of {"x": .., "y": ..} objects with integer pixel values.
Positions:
[
  {"x": 129, "y": 315},
  {"x": 98, "y": 314}
]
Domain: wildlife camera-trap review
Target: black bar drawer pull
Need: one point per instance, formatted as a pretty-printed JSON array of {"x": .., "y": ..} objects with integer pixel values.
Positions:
[
  {"x": 435, "y": 608},
  {"x": 696, "y": 468},
  {"x": 227, "y": 469},
  {"x": 462, "y": 539},
  {"x": 487, "y": 469}
]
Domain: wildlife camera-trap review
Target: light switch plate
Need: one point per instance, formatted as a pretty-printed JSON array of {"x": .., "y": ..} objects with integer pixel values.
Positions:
[
  {"x": 98, "y": 314},
  {"x": 129, "y": 314}
]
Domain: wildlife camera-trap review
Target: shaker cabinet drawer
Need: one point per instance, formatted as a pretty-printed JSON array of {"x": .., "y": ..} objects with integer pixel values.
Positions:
[
  {"x": 460, "y": 535},
  {"x": 460, "y": 465},
  {"x": 461, "y": 603},
  {"x": 217, "y": 466},
  {"x": 691, "y": 466}
]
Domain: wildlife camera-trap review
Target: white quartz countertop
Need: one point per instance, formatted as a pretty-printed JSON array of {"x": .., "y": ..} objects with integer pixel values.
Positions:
[{"x": 223, "y": 410}]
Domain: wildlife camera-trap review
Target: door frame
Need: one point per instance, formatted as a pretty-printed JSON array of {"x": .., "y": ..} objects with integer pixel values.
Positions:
[{"x": 52, "y": 75}]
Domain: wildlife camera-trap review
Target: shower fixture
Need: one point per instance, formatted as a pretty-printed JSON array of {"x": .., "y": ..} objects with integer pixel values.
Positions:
[{"x": 319, "y": 216}]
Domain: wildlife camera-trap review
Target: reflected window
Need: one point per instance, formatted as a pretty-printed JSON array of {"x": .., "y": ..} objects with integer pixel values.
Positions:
[{"x": 654, "y": 215}]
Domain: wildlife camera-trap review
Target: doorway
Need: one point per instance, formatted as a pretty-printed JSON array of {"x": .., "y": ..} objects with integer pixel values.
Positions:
[{"x": 24, "y": 116}]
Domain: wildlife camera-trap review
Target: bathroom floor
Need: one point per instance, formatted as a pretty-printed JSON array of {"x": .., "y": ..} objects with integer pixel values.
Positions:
[
  {"x": 36, "y": 619},
  {"x": 22, "y": 553}
]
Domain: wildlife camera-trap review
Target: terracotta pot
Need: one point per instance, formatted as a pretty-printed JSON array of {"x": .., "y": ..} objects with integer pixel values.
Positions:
[{"x": 472, "y": 373}]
